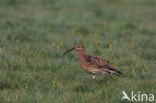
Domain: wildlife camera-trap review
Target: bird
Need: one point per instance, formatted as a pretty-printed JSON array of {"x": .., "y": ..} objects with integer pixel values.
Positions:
[{"x": 94, "y": 65}]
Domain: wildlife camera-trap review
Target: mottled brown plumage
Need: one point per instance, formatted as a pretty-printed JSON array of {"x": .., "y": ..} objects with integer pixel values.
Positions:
[{"x": 93, "y": 64}]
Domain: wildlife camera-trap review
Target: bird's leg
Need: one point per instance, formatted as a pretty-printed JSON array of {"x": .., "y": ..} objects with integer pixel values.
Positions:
[{"x": 93, "y": 77}]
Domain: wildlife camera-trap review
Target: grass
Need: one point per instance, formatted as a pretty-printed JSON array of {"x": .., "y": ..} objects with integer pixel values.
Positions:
[{"x": 35, "y": 33}]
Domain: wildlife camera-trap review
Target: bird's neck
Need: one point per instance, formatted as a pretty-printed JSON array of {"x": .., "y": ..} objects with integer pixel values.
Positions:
[
  {"x": 81, "y": 58},
  {"x": 80, "y": 54}
]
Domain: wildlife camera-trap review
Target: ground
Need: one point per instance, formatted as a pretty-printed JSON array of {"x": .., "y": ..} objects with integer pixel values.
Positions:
[{"x": 35, "y": 33}]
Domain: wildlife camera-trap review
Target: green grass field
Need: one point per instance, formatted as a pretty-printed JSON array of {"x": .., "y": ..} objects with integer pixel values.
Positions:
[{"x": 35, "y": 33}]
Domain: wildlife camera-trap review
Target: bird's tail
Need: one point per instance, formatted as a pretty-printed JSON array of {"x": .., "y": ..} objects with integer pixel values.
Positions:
[
  {"x": 117, "y": 73},
  {"x": 114, "y": 71}
]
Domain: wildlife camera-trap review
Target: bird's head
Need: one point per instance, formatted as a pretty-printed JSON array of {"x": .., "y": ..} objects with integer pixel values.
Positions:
[{"x": 78, "y": 48}]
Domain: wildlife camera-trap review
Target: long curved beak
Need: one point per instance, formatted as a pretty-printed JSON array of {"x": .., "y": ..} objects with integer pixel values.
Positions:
[{"x": 68, "y": 51}]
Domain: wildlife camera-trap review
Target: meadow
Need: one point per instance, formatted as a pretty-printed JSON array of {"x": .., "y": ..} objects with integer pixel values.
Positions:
[{"x": 35, "y": 33}]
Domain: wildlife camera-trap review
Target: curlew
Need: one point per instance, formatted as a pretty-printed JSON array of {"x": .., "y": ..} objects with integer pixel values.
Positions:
[{"x": 93, "y": 65}]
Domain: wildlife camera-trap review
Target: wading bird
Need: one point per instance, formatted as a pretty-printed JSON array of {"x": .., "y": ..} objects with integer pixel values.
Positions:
[{"x": 93, "y": 64}]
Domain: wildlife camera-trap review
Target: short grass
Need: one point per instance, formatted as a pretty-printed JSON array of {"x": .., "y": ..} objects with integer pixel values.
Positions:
[{"x": 35, "y": 33}]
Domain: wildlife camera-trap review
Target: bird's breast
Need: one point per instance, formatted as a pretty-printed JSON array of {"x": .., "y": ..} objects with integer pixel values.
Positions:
[
  {"x": 84, "y": 64},
  {"x": 87, "y": 67}
]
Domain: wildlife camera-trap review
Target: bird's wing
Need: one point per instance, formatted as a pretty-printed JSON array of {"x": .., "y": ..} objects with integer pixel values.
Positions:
[
  {"x": 101, "y": 63},
  {"x": 96, "y": 60}
]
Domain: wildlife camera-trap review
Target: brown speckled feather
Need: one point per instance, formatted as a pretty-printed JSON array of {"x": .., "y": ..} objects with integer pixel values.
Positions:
[
  {"x": 96, "y": 60},
  {"x": 101, "y": 65}
]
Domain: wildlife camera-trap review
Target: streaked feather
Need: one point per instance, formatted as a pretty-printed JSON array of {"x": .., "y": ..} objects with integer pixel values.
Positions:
[{"x": 102, "y": 65}]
